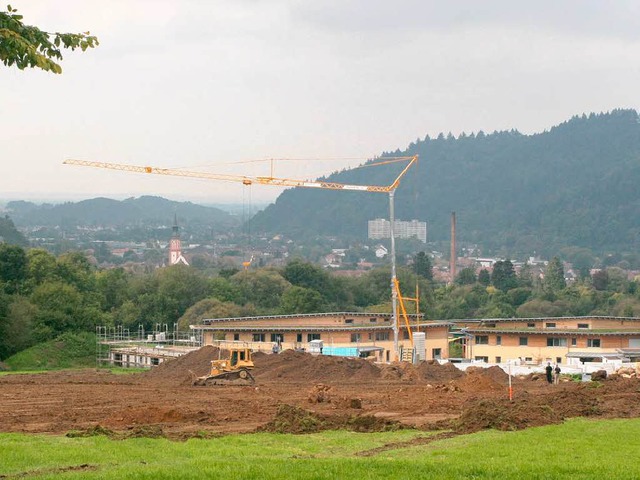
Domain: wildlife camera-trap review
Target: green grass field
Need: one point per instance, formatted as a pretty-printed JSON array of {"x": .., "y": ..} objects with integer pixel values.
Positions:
[
  {"x": 579, "y": 449},
  {"x": 70, "y": 350}
]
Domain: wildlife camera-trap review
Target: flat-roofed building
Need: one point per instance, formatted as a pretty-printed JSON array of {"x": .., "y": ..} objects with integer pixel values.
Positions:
[
  {"x": 381, "y": 228},
  {"x": 558, "y": 340},
  {"x": 371, "y": 333}
]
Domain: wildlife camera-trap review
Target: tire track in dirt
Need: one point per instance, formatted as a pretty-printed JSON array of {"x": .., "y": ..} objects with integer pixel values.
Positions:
[
  {"x": 85, "y": 467},
  {"x": 407, "y": 444}
]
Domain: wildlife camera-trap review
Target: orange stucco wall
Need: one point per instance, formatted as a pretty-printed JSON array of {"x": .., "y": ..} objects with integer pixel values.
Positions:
[
  {"x": 538, "y": 350},
  {"x": 436, "y": 338}
]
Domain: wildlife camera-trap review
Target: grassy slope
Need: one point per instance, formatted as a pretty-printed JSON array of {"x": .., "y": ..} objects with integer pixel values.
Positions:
[
  {"x": 71, "y": 350},
  {"x": 579, "y": 449}
]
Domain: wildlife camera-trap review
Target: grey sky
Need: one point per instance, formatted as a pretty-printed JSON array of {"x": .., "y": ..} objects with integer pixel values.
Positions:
[{"x": 192, "y": 83}]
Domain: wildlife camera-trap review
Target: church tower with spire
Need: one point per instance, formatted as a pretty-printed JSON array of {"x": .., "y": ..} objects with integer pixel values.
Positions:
[{"x": 175, "y": 245}]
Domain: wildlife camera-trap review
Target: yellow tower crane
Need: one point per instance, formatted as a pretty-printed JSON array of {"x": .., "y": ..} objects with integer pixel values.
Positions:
[
  {"x": 250, "y": 180},
  {"x": 290, "y": 182}
]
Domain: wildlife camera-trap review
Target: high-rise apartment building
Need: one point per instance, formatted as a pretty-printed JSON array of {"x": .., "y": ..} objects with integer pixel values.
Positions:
[{"x": 381, "y": 228}]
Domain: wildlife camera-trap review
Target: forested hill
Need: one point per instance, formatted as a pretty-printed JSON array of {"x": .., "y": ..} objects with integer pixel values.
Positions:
[
  {"x": 574, "y": 185},
  {"x": 108, "y": 212}
]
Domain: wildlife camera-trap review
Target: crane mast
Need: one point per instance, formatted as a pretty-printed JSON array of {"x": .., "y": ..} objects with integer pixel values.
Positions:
[{"x": 290, "y": 182}]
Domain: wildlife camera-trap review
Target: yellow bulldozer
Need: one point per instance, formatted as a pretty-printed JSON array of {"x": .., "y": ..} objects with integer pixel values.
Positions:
[{"x": 236, "y": 370}]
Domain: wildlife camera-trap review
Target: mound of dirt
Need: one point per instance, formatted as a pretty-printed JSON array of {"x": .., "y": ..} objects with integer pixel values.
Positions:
[
  {"x": 478, "y": 379},
  {"x": 527, "y": 411},
  {"x": 495, "y": 373},
  {"x": 405, "y": 372},
  {"x": 292, "y": 419},
  {"x": 302, "y": 366},
  {"x": 503, "y": 415},
  {"x": 142, "y": 431},
  {"x": 177, "y": 371},
  {"x": 390, "y": 372},
  {"x": 434, "y": 372},
  {"x": 429, "y": 371}
]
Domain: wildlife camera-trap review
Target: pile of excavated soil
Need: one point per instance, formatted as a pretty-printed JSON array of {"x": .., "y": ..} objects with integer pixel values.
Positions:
[
  {"x": 495, "y": 373},
  {"x": 528, "y": 410},
  {"x": 478, "y": 379},
  {"x": 404, "y": 372},
  {"x": 288, "y": 365},
  {"x": 429, "y": 372},
  {"x": 177, "y": 371},
  {"x": 434, "y": 372},
  {"x": 292, "y": 419},
  {"x": 302, "y": 366}
]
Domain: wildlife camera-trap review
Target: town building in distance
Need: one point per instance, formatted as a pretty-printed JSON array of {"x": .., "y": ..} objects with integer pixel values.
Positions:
[
  {"x": 381, "y": 228},
  {"x": 175, "y": 245}
]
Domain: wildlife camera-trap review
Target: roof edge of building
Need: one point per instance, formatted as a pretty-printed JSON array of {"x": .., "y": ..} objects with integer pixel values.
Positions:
[
  {"x": 533, "y": 319},
  {"x": 307, "y": 315}
]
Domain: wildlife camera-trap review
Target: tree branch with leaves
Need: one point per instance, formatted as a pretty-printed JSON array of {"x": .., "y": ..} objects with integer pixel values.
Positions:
[{"x": 26, "y": 46}]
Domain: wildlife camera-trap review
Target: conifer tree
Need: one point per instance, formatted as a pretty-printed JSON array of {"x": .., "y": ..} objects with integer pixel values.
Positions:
[{"x": 554, "y": 276}]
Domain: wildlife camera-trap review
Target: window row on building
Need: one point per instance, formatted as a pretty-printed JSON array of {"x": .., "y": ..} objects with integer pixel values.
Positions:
[
  {"x": 308, "y": 337},
  {"x": 523, "y": 341}
]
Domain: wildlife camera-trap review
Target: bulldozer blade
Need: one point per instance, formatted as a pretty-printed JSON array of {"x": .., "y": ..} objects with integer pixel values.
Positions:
[{"x": 241, "y": 377}]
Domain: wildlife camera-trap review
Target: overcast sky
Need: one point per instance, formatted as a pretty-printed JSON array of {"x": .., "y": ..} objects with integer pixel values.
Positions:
[{"x": 201, "y": 82}]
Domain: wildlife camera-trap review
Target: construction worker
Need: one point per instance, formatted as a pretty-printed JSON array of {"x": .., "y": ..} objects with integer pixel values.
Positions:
[
  {"x": 556, "y": 376},
  {"x": 549, "y": 371}
]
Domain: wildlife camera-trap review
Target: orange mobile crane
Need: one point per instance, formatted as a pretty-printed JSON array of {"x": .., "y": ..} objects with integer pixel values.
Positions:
[{"x": 290, "y": 182}]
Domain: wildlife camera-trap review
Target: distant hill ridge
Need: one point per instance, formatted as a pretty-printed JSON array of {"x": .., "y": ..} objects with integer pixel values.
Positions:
[
  {"x": 108, "y": 212},
  {"x": 573, "y": 185}
]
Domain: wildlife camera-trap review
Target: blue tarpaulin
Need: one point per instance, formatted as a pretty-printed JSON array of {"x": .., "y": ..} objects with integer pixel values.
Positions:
[{"x": 341, "y": 351}]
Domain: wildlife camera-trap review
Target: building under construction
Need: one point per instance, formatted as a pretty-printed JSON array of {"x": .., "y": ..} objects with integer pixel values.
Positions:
[
  {"x": 142, "y": 349},
  {"x": 337, "y": 333}
]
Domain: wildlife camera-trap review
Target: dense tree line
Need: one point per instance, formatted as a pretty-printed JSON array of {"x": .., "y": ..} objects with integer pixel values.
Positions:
[
  {"x": 503, "y": 294},
  {"x": 43, "y": 296}
]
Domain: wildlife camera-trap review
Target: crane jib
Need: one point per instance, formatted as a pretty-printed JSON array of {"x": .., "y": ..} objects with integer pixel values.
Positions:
[
  {"x": 248, "y": 180},
  {"x": 334, "y": 186}
]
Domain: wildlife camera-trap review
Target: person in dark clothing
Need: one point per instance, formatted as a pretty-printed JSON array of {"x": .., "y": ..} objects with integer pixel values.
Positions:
[{"x": 549, "y": 370}]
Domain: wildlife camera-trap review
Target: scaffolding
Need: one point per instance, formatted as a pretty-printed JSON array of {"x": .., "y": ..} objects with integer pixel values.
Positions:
[{"x": 119, "y": 346}]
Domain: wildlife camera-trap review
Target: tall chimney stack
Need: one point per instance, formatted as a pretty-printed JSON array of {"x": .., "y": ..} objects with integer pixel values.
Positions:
[{"x": 452, "y": 259}]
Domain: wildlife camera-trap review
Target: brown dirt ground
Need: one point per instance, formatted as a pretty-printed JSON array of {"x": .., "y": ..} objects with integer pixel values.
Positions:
[{"x": 299, "y": 392}]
